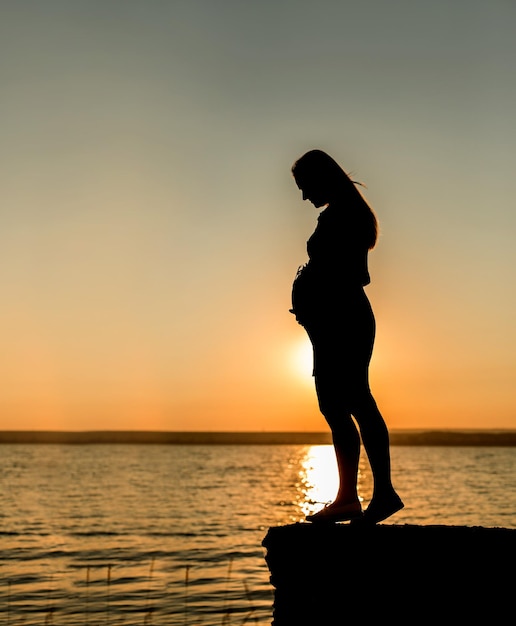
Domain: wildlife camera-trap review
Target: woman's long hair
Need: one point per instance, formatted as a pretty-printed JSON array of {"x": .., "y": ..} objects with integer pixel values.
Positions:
[{"x": 318, "y": 168}]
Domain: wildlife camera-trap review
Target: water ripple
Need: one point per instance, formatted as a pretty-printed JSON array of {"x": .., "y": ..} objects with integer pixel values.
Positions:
[{"x": 113, "y": 534}]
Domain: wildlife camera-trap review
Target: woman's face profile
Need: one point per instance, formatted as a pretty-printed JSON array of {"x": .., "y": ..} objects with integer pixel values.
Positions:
[{"x": 313, "y": 192}]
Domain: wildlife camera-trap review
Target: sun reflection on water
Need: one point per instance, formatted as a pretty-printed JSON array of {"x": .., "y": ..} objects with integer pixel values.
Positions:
[
  {"x": 319, "y": 481},
  {"x": 319, "y": 478}
]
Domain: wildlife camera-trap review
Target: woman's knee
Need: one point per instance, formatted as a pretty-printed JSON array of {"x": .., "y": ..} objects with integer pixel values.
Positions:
[{"x": 340, "y": 422}]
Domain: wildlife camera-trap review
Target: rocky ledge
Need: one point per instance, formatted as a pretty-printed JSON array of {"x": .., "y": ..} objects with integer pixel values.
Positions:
[{"x": 405, "y": 574}]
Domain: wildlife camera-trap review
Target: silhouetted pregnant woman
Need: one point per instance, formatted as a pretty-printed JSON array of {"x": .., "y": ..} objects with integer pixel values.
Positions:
[{"x": 329, "y": 301}]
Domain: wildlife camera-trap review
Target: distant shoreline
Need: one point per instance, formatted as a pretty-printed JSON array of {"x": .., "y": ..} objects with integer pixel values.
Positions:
[{"x": 398, "y": 437}]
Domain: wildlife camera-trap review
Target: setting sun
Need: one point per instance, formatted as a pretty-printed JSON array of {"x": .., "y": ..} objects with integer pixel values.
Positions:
[
  {"x": 301, "y": 359},
  {"x": 151, "y": 228}
]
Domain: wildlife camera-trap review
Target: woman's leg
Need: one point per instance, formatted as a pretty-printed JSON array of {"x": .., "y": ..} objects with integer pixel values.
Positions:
[
  {"x": 375, "y": 437},
  {"x": 373, "y": 430},
  {"x": 347, "y": 453},
  {"x": 343, "y": 394},
  {"x": 346, "y": 439}
]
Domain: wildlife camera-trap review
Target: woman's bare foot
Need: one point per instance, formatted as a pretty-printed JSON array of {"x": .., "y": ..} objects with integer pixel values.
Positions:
[
  {"x": 381, "y": 508},
  {"x": 337, "y": 512}
]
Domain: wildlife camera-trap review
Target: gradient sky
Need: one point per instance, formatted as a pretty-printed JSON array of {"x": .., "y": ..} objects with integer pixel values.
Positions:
[{"x": 150, "y": 228}]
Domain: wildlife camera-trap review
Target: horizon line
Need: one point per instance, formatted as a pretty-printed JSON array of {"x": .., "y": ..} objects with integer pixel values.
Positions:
[{"x": 434, "y": 437}]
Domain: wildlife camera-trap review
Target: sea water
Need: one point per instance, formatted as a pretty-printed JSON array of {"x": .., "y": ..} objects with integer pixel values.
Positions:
[{"x": 166, "y": 535}]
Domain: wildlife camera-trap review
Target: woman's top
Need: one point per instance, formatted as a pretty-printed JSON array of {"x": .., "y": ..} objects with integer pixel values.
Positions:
[{"x": 337, "y": 266}]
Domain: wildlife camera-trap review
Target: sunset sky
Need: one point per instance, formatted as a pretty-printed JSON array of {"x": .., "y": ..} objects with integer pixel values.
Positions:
[{"x": 150, "y": 228}]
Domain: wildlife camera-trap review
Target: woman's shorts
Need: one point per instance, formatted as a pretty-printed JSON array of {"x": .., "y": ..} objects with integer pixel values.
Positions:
[{"x": 343, "y": 340}]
